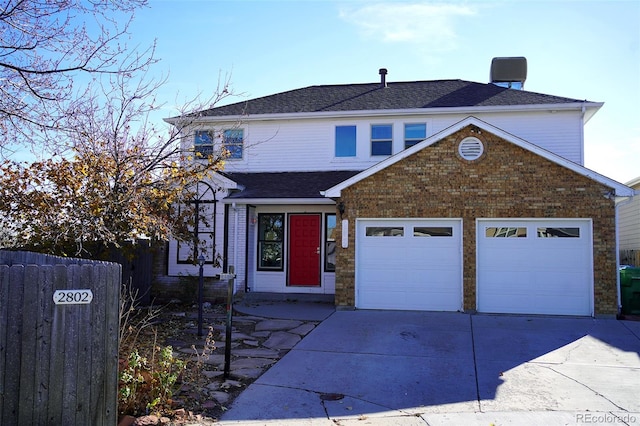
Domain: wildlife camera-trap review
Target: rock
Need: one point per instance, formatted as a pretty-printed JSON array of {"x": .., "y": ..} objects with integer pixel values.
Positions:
[
  {"x": 256, "y": 353},
  {"x": 277, "y": 324},
  {"x": 230, "y": 383},
  {"x": 247, "y": 373},
  {"x": 251, "y": 343},
  {"x": 146, "y": 421},
  {"x": 304, "y": 329},
  {"x": 213, "y": 359},
  {"x": 250, "y": 363},
  {"x": 212, "y": 374},
  {"x": 261, "y": 334},
  {"x": 282, "y": 340},
  {"x": 220, "y": 397}
]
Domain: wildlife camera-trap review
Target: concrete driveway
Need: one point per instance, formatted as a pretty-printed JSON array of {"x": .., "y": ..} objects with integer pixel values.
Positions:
[{"x": 417, "y": 368}]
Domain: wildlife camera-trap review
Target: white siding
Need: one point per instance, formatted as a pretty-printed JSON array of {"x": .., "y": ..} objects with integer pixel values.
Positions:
[
  {"x": 309, "y": 144},
  {"x": 629, "y": 224}
]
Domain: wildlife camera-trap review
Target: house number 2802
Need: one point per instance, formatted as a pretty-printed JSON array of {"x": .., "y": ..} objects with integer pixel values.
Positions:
[{"x": 72, "y": 297}]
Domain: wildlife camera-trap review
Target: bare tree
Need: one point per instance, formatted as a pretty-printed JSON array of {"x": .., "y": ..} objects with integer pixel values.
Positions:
[
  {"x": 126, "y": 177},
  {"x": 48, "y": 47}
]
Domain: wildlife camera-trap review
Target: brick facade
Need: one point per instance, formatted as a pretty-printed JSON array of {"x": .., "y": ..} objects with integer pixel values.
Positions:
[{"x": 507, "y": 181}]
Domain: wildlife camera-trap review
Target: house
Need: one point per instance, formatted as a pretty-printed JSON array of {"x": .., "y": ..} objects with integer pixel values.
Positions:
[
  {"x": 629, "y": 224},
  {"x": 444, "y": 195}
]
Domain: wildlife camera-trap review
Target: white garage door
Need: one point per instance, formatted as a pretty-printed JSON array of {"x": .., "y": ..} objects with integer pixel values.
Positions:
[
  {"x": 409, "y": 264},
  {"x": 535, "y": 266}
]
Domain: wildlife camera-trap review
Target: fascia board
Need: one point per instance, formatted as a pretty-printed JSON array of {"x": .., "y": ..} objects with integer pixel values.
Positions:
[
  {"x": 278, "y": 201},
  {"x": 590, "y": 107}
]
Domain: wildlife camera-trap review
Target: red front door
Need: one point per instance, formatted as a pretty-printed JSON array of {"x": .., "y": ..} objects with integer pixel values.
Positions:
[{"x": 304, "y": 249}]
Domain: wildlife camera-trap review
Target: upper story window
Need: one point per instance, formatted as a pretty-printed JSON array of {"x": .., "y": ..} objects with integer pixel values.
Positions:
[
  {"x": 414, "y": 133},
  {"x": 203, "y": 142},
  {"x": 233, "y": 141},
  {"x": 345, "y": 141},
  {"x": 381, "y": 139}
]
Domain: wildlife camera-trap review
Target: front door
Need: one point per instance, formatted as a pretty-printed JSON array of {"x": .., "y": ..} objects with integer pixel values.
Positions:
[{"x": 304, "y": 250}]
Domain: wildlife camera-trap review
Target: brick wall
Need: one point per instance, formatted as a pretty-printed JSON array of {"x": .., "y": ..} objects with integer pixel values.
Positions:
[{"x": 506, "y": 182}]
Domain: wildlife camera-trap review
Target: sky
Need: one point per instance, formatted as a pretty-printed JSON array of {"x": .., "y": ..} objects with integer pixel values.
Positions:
[{"x": 576, "y": 49}]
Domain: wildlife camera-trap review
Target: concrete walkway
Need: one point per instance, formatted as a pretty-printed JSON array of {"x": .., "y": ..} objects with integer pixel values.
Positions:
[{"x": 417, "y": 368}]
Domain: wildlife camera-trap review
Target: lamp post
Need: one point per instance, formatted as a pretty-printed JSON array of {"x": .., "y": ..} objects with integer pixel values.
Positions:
[{"x": 200, "y": 295}]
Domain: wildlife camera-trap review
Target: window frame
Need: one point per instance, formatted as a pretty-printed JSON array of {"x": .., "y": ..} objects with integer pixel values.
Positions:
[
  {"x": 237, "y": 145},
  {"x": 198, "y": 137},
  {"x": 330, "y": 242},
  {"x": 261, "y": 240},
  {"x": 340, "y": 150},
  {"x": 409, "y": 142},
  {"x": 381, "y": 141}
]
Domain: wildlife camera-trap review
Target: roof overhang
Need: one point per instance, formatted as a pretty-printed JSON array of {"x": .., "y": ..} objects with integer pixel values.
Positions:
[
  {"x": 619, "y": 190},
  {"x": 278, "y": 201},
  {"x": 586, "y": 107}
]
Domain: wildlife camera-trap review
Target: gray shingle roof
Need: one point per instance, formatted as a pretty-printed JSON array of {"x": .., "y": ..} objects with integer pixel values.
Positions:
[
  {"x": 397, "y": 95},
  {"x": 286, "y": 184}
]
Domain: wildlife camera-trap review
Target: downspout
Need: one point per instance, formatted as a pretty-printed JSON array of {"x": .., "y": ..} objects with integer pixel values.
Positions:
[{"x": 582, "y": 123}]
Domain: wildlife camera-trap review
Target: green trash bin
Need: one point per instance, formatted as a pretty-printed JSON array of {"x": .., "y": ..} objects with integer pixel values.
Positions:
[{"x": 630, "y": 290}]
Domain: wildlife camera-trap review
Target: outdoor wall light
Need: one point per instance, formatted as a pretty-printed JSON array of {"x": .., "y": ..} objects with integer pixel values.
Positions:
[{"x": 341, "y": 208}]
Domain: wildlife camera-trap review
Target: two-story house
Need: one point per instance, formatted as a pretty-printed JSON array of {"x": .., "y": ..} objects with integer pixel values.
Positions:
[{"x": 444, "y": 195}]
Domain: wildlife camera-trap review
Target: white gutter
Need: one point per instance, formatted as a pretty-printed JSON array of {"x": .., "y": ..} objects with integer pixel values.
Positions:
[{"x": 399, "y": 112}]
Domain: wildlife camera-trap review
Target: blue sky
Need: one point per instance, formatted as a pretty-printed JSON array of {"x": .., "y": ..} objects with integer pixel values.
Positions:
[{"x": 578, "y": 49}]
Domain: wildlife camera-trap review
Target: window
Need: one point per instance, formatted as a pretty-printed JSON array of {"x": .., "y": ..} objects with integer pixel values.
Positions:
[
  {"x": 432, "y": 231},
  {"x": 203, "y": 142},
  {"x": 381, "y": 139},
  {"x": 558, "y": 232},
  {"x": 330, "y": 243},
  {"x": 233, "y": 141},
  {"x": 345, "y": 141},
  {"x": 505, "y": 232},
  {"x": 270, "y": 241},
  {"x": 414, "y": 133},
  {"x": 384, "y": 231}
]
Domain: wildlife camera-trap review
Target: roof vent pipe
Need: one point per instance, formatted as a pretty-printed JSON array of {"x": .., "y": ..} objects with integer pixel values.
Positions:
[{"x": 383, "y": 77}]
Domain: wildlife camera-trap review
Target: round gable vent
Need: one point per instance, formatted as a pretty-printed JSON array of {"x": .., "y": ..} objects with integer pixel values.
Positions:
[{"x": 470, "y": 148}]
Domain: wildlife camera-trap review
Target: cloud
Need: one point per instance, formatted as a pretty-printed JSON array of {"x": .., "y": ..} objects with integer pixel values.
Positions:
[{"x": 429, "y": 24}]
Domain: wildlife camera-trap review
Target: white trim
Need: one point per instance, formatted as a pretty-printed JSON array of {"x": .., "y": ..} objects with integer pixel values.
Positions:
[
  {"x": 620, "y": 189},
  {"x": 592, "y": 107},
  {"x": 278, "y": 201}
]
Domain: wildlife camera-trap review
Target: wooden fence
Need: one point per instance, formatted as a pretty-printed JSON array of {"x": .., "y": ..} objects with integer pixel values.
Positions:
[
  {"x": 58, "y": 349},
  {"x": 630, "y": 257}
]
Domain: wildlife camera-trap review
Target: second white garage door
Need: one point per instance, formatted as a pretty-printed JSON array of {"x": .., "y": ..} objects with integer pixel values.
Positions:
[
  {"x": 535, "y": 266},
  {"x": 409, "y": 264}
]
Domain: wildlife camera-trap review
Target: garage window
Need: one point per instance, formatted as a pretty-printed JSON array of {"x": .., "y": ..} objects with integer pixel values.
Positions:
[
  {"x": 384, "y": 231},
  {"x": 506, "y": 232},
  {"x": 431, "y": 231},
  {"x": 558, "y": 232}
]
